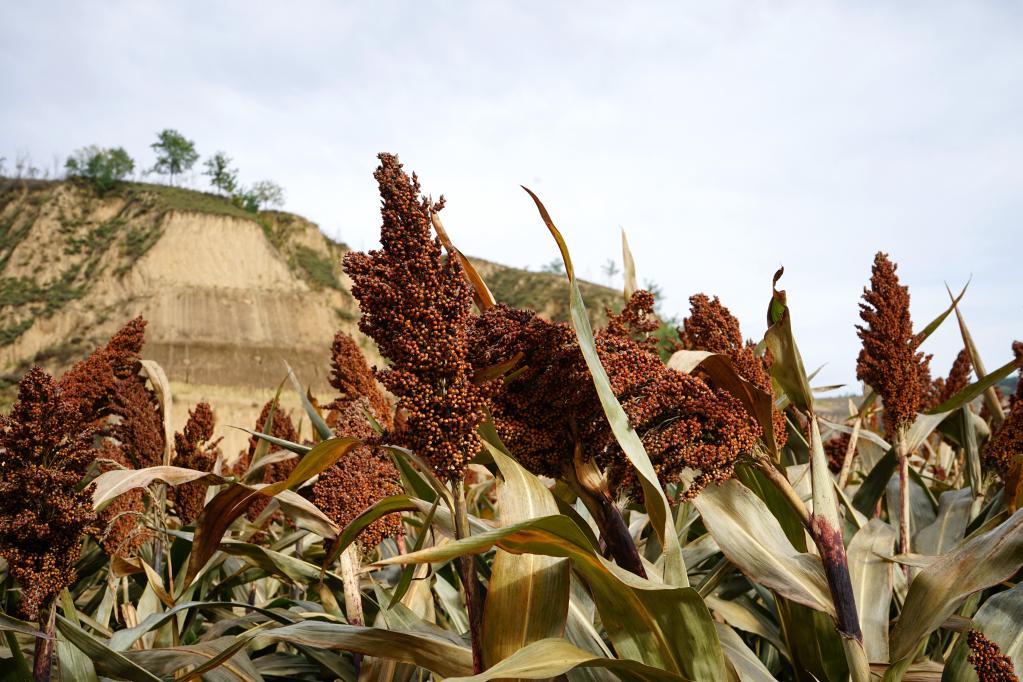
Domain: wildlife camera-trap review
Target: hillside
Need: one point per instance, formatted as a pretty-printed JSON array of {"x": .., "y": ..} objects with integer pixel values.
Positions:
[{"x": 229, "y": 295}]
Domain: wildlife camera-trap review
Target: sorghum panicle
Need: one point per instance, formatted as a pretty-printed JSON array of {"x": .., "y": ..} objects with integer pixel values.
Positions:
[
  {"x": 958, "y": 379},
  {"x": 551, "y": 404},
  {"x": 195, "y": 448},
  {"x": 359, "y": 480},
  {"x": 1006, "y": 445},
  {"x": 112, "y": 397},
  {"x": 889, "y": 361},
  {"x": 281, "y": 427},
  {"x": 353, "y": 378},
  {"x": 365, "y": 475},
  {"x": 416, "y": 304},
  {"x": 988, "y": 660},
  {"x": 44, "y": 453},
  {"x": 712, "y": 327},
  {"x": 835, "y": 449},
  {"x": 637, "y": 321}
]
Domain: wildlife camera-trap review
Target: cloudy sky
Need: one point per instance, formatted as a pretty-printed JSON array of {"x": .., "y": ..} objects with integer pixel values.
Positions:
[{"x": 725, "y": 138}]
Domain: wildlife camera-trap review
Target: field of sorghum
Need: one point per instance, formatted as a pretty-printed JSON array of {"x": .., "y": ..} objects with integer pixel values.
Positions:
[{"x": 526, "y": 500}]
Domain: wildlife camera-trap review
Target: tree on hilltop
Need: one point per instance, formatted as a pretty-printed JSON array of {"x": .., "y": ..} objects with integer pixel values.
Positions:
[
  {"x": 174, "y": 153},
  {"x": 103, "y": 168},
  {"x": 221, "y": 175},
  {"x": 262, "y": 194}
]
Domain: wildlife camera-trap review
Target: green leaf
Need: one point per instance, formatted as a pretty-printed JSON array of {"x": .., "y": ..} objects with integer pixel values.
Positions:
[
  {"x": 815, "y": 648},
  {"x": 747, "y": 666},
  {"x": 111, "y": 484},
  {"x": 216, "y": 660},
  {"x": 406, "y": 574},
  {"x": 425, "y": 472},
  {"x": 107, "y": 661},
  {"x": 306, "y": 515},
  {"x": 742, "y": 614},
  {"x": 74, "y": 664},
  {"x": 297, "y": 448},
  {"x": 527, "y": 596},
  {"x": 991, "y": 400},
  {"x": 322, "y": 430},
  {"x": 380, "y": 509},
  {"x": 752, "y": 539},
  {"x": 696, "y": 637},
  {"x": 549, "y": 658},
  {"x": 289, "y": 569},
  {"x": 872, "y": 579},
  {"x": 984, "y": 560},
  {"x": 436, "y": 654},
  {"x": 933, "y": 325},
  {"x": 12, "y": 624},
  {"x": 123, "y": 639},
  {"x": 787, "y": 368},
  {"x": 949, "y": 527},
  {"x": 975, "y": 389},
  {"x": 873, "y": 486},
  {"x": 645, "y": 620},
  {"x": 232, "y": 502},
  {"x": 791, "y": 523}
]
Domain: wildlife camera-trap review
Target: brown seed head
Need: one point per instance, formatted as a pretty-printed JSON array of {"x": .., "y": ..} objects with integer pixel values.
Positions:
[
  {"x": 281, "y": 427},
  {"x": 359, "y": 480},
  {"x": 958, "y": 379},
  {"x": 352, "y": 377},
  {"x": 988, "y": 660},
  {"x": 550, "y": 404},
  {"x": 834, "y": 449},
  {"x": 139, "y": 427},
  {"x": 44, "y": 453},
  {"x": 712, "y": 327},
  {"x": 683, "y": 422},
  {"x": 416, "y": 305},
  {"x": 123, "y": 520},
  {"x": 637, "y": 320},
  {"x": 111, "y": 397},
  {"x": 1006, "y": 445},
  {"x": 889, "y": 361},
  {"x": 195, "y": 449}
]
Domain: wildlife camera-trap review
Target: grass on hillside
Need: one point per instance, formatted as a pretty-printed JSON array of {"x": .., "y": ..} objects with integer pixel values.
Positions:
[{"x": 184, "y": 199}]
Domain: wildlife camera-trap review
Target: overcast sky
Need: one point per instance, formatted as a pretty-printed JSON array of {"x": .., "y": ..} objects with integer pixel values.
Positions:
[{"x": 726, "y": 138}]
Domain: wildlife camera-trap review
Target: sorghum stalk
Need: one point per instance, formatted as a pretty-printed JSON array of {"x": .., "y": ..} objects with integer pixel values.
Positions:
[
  {"x": 850, "y": 453},
  {"x": 589, "y": 485},
  {"x": 829, "y": 546},
  {"x": 44, "y": 645},
  {"x": 891, "y": 364},
  {"x": 902, "y": 458},
  {"x": 613, "y": 531},
  {"x": 469, "y": 580},
  {"x": 350, "y": 580}
]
